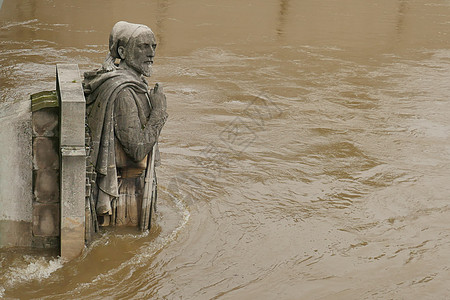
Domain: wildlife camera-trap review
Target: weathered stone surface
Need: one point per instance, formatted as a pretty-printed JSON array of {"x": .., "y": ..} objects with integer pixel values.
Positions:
[
  {"x": 72, "y": 126},
  {"x": 73, "y": 160},
  {"x": 72, "y": 105},
  {"x": 72, "y": 236},
  {"x": 46, "y": 185},
  {"x": 46, "y": 210},
  {"x": 45, "y": 242},
  {"x": 73, "y": 181},
  {"x": 45, "y": 153},
  {"x": 15, "y": 233},
  {"x": 45, "y": 219},
  {"x": 137, "y": 119},
  {"x": 15, "y": 174},
  {"x": 45, "y": 122}
]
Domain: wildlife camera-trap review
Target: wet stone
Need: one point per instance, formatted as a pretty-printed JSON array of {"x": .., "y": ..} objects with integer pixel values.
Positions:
[
  {"x": 15, "y": 233},
  {"x": 45, "y": 219},
  {"x": 45, "y": 242}
]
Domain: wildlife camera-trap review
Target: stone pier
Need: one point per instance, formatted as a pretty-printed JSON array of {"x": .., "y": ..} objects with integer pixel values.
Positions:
[
  {"x": 73, "y": 159},
  {"x": 43, "y": 168}
]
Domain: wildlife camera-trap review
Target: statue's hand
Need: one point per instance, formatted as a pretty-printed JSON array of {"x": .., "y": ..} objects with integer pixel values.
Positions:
[{"x": 157, "y": 98}]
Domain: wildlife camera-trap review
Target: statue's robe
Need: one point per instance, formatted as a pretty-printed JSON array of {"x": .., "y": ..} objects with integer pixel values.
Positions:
[{"x": 123, "y": 130}]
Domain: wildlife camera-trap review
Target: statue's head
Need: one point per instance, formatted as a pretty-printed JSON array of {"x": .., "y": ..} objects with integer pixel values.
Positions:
[{"x": 134, "y": 45}]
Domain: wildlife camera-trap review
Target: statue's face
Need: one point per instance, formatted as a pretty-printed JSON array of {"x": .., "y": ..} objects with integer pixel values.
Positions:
[{"x": 140, "y": 52}]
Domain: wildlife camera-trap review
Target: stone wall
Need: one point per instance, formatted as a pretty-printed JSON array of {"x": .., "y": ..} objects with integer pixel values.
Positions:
[
  {"x": 15, "y": 174},
  {"x": 43, "y": 168}
]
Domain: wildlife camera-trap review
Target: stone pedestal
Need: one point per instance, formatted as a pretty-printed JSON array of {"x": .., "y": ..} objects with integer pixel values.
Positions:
[{"x": 73, "y": 159}]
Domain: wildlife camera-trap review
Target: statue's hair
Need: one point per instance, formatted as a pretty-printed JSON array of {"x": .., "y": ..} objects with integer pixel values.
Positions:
[{"x": 121, "y": 34}]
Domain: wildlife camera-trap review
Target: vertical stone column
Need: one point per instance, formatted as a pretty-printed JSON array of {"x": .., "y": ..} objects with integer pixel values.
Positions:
[
  {"x": 46, "y": 162},
  {"x": 73, "y": 159}
]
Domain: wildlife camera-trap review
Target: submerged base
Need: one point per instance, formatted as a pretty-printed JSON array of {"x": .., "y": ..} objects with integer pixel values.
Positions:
[{"x": 15, "y": 233}]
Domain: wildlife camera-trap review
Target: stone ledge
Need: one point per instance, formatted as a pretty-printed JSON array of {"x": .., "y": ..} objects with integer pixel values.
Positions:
[{"x": 73, "y": 151}]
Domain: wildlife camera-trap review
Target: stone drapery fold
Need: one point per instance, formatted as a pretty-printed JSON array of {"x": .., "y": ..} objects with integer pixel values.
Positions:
[{"x": 101, "y": 90}]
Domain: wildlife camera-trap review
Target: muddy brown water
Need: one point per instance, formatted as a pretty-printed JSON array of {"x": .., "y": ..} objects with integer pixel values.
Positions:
[{"x": 306, "y": 155}]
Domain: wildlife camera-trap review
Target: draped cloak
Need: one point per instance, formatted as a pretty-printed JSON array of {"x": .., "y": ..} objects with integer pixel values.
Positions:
[{"x": 101, "y": 90}]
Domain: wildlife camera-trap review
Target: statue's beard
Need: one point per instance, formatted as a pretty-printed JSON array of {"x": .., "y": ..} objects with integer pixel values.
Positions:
[
  {"x": 147, "y": 69},
  {"x": 144, "y": 68}
]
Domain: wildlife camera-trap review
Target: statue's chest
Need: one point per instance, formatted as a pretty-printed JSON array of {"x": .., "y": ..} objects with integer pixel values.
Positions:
[{"x": 143, "y": 107}]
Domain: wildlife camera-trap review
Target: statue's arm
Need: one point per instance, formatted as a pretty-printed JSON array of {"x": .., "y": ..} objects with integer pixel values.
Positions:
[{"x": 136, "y": 140}]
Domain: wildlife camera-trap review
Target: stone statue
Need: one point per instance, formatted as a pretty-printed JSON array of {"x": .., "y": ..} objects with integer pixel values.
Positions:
[{"x": 125, "y": 119}]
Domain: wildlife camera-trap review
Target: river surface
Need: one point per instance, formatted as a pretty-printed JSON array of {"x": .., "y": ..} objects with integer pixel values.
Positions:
[{"x": 306, "y": 155}]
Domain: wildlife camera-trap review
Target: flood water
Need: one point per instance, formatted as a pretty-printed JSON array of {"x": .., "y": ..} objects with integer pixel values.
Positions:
[{"x": 306, "y": 155}]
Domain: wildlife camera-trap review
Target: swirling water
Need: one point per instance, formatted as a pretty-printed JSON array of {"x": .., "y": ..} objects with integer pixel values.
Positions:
[{"x": 306, "y": 155}]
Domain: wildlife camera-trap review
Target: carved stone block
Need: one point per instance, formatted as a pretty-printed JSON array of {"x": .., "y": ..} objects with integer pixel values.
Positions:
[
  {"x": 45, "y": 122},
  {"x": 46, "y": 185},
  {"x": 45, "y": 153},
  {"x": 45, "y": 219}
]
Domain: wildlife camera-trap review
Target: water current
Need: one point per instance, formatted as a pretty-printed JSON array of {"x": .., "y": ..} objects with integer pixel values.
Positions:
[{"x": 306, "y": 155}]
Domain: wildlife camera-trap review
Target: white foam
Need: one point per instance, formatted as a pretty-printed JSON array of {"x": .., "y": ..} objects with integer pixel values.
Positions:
[
  {"x": 14, "y": 24},
  {"x": 40, "y": 268},
  {"x": 36, "y": 269}
]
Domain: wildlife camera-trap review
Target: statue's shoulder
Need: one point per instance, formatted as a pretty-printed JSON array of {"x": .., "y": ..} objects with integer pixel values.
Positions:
[
  {"x": 108, "y": 81},
  {"x": 100, "y": 79},
  {"x": 92, "y": 74}
]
